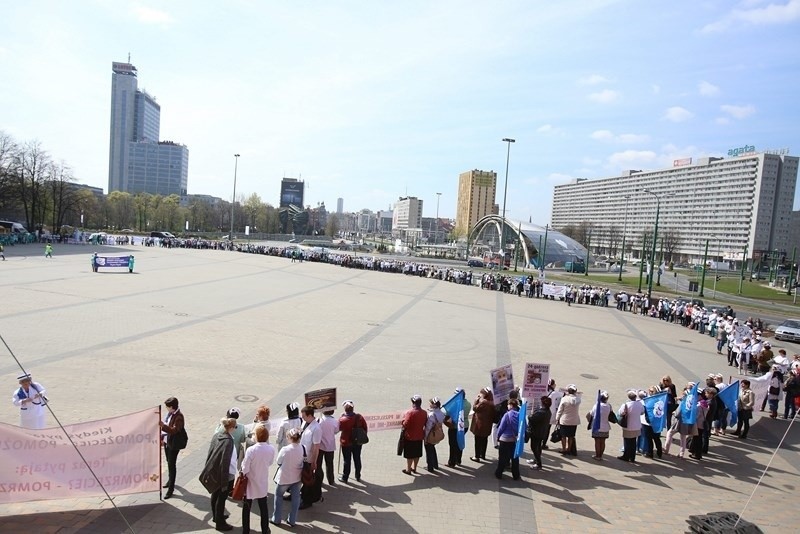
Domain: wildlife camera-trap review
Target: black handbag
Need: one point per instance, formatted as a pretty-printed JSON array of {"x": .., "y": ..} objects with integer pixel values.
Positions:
[
  {"x": 359, "y": 435},
  {"x": 401, "y": 443},
  {"x": 623, "y": 421},
  {"x": 555, "y": 437}
]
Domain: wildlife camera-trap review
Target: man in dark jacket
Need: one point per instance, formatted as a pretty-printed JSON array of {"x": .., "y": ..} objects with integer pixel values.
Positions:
[
  {"x": 220, "y": 467},
  {"x": 538, "y": 426}
]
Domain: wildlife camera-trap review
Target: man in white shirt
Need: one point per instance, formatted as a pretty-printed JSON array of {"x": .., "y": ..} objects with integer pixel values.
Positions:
[
  {"x": 327, "y": 446},
  {"x": 310, "y": 439}
]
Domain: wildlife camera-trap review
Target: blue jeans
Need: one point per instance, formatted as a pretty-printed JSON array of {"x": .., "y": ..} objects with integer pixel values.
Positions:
[
  {"x": 294, "y": 490},
  {"x": 789, "y": 406}
]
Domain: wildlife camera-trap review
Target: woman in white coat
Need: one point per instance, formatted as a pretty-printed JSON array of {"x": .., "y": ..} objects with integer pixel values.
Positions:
[
  {"x": 257, "y": 460},
  {"x": 569, "y": 417},
  {"x": 31, "y": 402},
  {"x": 632, "y": 410},
  {"x": 606, "y": 416},
  {"x": 290, "y": 471}
]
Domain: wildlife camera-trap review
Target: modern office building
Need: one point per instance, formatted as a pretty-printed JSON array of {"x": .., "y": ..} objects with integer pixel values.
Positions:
[
  {"x": 476, "y": 198},
  {"x": 384, "y": 221},
  {"x": 731, "y": 203},
  {"x": 407, "y": 217},
  {"x": 340, "y": 205},
  {"x": 138, "y": 161}
]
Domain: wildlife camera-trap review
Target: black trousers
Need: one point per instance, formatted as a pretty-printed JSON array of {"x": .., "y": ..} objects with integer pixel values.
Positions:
[
  {"x": 172, "y": 466},
  {"x": 218, "y": 505},
  {"x": 313, "y": 493},
  {"x": 263, "y": 508},
  {"x": 506, "y": 453},
  {"x": 629, "y": 448},
  {"x": 536, "y": 449},
  {"x": 455, "y": 452},
  {"x": 328, "y": 457},
  {"x": 480, "y": 446}
]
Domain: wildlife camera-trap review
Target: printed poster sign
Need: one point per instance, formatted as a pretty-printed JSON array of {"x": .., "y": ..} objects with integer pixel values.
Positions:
[
  {"x": 112, "y": 261},
  {"x": 536, "y": 377},
  {"x": 38, "y": 465},
  {"x": 322, "y": 399},
  {"x": 502, "y": 383}
]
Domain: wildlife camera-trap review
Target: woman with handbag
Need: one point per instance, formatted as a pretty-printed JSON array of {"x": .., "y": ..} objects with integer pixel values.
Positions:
[
  {"x": 481, "y": 424},
  {"x": 257, "y": 460},
  {"x": 287, "y": 478},
  {"x": 538, "y": 428},
  {"x": 414, "y": 420},
  {"x": 348, "y": 423},
  {"x": 774, "y": 392},
  {"x": 434, "y": 433}
]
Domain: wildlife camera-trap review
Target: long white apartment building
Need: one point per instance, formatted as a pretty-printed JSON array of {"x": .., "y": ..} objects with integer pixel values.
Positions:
[{"x": 736, "y": 202}]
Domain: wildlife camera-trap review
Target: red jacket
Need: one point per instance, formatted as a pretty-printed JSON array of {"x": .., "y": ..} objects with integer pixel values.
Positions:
[
  {"x": 414, "y": 424},
  {"x": 347, "y": 422}
]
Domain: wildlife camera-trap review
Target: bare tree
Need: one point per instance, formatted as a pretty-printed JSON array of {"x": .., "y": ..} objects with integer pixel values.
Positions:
[
  {"x": 671, "y": 240},
  {"x": 63, "y": 195},
  {"x": 33, "y": 165}
]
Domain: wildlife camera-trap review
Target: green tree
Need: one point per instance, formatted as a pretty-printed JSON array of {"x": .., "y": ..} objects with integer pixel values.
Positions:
[{"x": 332, "y": 228}]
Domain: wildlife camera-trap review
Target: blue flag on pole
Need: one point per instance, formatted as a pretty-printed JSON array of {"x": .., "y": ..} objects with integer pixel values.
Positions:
[
  {"x": 656, "y": 407},
  {"x": 729, "y": 397},
  {"x": 522, "y": 426},
  {"x": 598, "y": 413},
  {"x": 689, "y": 405},
  {"x": 455, "y": 409}
]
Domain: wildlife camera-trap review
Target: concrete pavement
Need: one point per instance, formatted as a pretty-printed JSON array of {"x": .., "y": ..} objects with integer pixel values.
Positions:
[{"x": 221, "y": 329}]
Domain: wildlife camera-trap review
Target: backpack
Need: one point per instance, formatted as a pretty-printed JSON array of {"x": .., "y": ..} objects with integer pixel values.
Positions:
[{"x": 435, "y": 435}]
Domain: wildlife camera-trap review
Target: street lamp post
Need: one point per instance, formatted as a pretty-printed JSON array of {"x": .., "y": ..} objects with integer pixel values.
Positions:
[
  {"x": 624, "y": 231},
  {"x": 507, "y": 140},
  {"x": 233, "y": 200},
  {"x": 655, "y": 237},
  {"x": 436, "y": 235}
]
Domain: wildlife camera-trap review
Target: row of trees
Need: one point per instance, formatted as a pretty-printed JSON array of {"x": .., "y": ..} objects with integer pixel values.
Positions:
[
  {"x": 608, "y": 239},
  {"x": 44, "y": 194}
]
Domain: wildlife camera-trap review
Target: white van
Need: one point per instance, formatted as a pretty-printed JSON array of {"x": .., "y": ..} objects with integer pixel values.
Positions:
[{"x": 13, "y": 227}]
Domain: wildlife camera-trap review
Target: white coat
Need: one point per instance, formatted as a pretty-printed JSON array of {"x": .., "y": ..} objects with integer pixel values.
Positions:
[
  {"x": 256, "y": 464},
  {"x": 31, "y": 414}
]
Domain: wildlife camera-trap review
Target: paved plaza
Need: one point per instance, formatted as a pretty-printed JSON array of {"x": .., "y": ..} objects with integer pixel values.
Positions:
[{"x": 221, "y": 329}]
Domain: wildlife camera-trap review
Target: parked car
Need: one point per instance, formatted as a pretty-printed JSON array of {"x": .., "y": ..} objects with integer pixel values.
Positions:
[
  {"x": 788, "y": 330},
  {"x": 162, "y": 235},
  {"x": 695, "y": 302},
  {"x": 475, "y": 263}
]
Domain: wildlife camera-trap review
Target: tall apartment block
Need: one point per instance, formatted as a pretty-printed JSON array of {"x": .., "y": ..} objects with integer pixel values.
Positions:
[
  {"x": 733, "y": 203},
  {"x": 138, "y": 161},
  {"x": 476, "y": 198}
]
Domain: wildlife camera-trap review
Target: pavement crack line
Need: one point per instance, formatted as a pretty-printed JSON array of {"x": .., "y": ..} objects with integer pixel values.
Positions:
[{"x": 517, "y": 513}]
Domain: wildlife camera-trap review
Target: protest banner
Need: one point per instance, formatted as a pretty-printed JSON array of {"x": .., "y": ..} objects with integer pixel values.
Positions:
[
  {"x": 113, "y": 261},
  {"x": 322, "y": 399},
  {"x": 554, "y": 290},
  {"x": 385, "y": 421},
  {"x": 123, "y": 452},
  {"x": 502, "y": 383},
  {"x": 536, "y": 378}
]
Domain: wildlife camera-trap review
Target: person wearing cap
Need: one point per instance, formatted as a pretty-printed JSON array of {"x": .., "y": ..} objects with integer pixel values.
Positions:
[
  {"x": 327, "y": 445},
  {"x": 555, "y": 395},
  {"x": 684, "y": 430},
  {"x": 507, "y": 438},
  {"x": 568, "y": 417},
  {"x": 288, "y": 477},
  {"x": 31, "y": 401},
  {"x": 219, "y": 471},
  {"x": 792, "y": 391},
  {"x": 351, "y": 451},
  {"x": 433, "y": 430},
  {"x": 482, "y": 421},
  {"x": 774, "y": 392},
  {"x": 452, "y": 431},
  {"x": 414, "y": 421},
  {"x": 174, "y": 434},
  {"x": 606, "y": 416},
  {"x": 291, "y": 421}
]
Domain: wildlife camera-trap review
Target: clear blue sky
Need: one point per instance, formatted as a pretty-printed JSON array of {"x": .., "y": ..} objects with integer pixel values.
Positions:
[{"x": 373, "y": 100}]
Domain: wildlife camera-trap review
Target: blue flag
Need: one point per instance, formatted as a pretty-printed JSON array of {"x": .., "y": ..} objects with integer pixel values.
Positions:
[
  {"x": 598, "y": 413},
  {"x": 729, "y": 397},
  {"x": 455, "y": 410},
  {"x": 656, "y": 407},
  {"x": 521, "y": 427},
  {"x": 689, "y": 405}
]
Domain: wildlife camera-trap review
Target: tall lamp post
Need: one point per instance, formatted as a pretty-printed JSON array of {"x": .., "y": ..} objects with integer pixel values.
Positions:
[
  {"x": 233, "y": 200},
  {"x": 624, "y": 231},
  {"x": 436, "y": 235},
  {"x": 507, "y": 140},
  {"x": 655, "y": 237}
]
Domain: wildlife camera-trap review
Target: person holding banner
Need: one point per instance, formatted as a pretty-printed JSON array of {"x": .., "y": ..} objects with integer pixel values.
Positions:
[
  {"x": 600, "y": 419},
  {"x": 30, "y": 399},
  {"x": 507, "y": 439},
  {"x": 684, "y": 422},
  {"x": 452, "y": 424},
  {"x": 655, "y": 414},
  {"x": 174, "y": 433}
]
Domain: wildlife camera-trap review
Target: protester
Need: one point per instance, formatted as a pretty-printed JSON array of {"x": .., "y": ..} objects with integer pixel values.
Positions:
[
  {"x": 219, "y": 471},
  {"x": 792, "y": 391},
  {"x": 672, "y": 404},
  {"x": 568, "y": 417},
  {"x": 31, "y": 400},
  {"x": 456, "y": 453},
  {"x": 775, "y": 383},
  {"x": 433, "y": 433},
  {"x": 684, "y": 430},
  {"x": 287, "y": 478},
  {"x": 310, "y": 439},
  {"x": 631, "y": 413},
  {"x": 555, "y": 395},
  {"x": 262, "y": 418},
  {"x": 292, "y": 421},
  {"x": 414, "y": 421},
  {"x": 652, "y": 438},
  {"x": 606, "y": 417},
  {"x": 257, "y": 461},
  {"x": 238, "y": 434},
  {"x": 745, "y": 405},
  {"x": 174, "y": 439},
  {"x": 696, "y": 447},
  {"x": 507, "y": 438},
  {"x": 350, "y": 450},
  {"x": 481, "y": 424},
  {"x": 327, "y": 445},
  {"x": 539, "y": 429}
]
